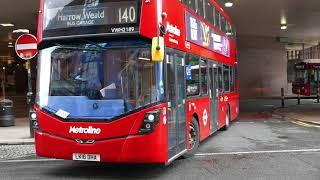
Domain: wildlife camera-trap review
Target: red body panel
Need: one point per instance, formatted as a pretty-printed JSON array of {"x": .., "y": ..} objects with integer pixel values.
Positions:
[
  {"x": 135, "y": 149},
  {"x": 119, "y": 140},
  {"x": 149, "y": 19},
  {"x": 234, "y": 104},
  {"x": 231, "y": 101},
  {"x": 196, "y": 108},
  {"x": 302, "y": 89}
]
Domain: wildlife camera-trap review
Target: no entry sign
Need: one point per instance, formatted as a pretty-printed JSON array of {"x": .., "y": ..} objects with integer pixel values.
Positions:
[{"x": 26, "y": 46}]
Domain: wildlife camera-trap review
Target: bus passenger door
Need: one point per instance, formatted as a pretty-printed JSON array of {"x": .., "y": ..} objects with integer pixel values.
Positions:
[
  {"x": 176, "y": 103},
  {"x": 214, "y": 94}
]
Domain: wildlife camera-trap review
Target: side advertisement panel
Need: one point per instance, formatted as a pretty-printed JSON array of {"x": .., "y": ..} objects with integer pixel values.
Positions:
[{"x": 203, "y": 35}]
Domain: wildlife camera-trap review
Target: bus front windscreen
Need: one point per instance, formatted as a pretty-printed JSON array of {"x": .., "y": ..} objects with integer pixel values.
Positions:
[
  {"x": 301, "y": 76},
  {"x": 89, "y": 81}
]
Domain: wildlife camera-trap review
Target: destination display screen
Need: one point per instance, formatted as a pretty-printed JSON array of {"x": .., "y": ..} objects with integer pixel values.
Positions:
[{"x": 89, "y": 17}]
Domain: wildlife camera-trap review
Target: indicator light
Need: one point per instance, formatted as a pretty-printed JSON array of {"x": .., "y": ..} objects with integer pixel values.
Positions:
[{"x": 150, "y": 121}]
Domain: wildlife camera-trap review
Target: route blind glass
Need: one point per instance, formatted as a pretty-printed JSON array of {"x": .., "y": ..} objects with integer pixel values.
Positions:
[{"x": 89, "y": 17}]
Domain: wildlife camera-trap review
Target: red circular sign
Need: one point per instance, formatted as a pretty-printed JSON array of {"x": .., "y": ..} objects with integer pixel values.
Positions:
[{"x": 27, "y": 46}]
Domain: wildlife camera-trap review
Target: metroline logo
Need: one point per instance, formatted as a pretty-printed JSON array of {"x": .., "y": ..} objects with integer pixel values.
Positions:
[{"x": 81, "y": 130}]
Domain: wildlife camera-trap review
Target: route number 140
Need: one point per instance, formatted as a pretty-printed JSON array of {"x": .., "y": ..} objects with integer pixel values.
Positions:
[{"x": 127, "y": 15}]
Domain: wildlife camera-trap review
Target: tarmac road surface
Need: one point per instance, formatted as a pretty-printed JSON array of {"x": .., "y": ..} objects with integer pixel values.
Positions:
[{"x": 255, "y": 147}]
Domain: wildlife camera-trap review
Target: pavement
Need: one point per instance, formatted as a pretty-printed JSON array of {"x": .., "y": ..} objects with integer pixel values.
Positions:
[
  {"x": 306, "y": 113},
  {"x": 16, "y": 135},
  {"x": 252, "y": 148}
]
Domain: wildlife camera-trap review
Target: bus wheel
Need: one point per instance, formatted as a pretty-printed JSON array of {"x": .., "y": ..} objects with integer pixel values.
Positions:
[
  {"x": 194, "y": 138},
  {"x": 226, "y": 127}
]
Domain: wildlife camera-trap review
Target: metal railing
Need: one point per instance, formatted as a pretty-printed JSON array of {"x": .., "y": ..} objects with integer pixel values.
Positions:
[
  {"x": 298, "y": 97},
  {"x": 308, "y": 53}
]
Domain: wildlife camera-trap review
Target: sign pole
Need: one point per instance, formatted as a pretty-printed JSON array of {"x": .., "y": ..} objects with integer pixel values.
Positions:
[
  {"x": 30, "y": 96},
  {"x": 29, "y": 76},
  {"x": 27, "y": 48},
  {"x": 3, "y": 83}
]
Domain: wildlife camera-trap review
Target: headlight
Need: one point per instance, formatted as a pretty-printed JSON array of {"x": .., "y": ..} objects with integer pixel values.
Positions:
[
  {"x": 151, "y": 117},
  {"x": 33, "y": 115},
  {"x": 34, "y": 120},
  {"x": 150, "y": 121}
]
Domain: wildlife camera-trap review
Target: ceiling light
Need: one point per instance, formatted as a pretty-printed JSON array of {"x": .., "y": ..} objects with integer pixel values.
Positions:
[
  {"x": 228, "y": 4},
  {"x": 26, "y": 31},
  {"x": 283, "y": 27},
  {"x": 7, "y": 24}
]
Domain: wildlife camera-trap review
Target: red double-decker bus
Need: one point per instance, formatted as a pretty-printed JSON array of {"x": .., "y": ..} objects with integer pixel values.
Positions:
[
  {"x": 133, "y": 80},
  {"x": 307, "y": 77}
]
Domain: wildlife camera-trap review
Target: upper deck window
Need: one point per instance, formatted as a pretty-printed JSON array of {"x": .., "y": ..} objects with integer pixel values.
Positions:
[
  {"x": 209, "y": 12},
  {"x": 191, "y": 4},
  {"x": 223, "y": 27},
  {"x": 229, "y": 30},
  {"x": 200, "y": 8},
  {"x": 217, "y": 21}
]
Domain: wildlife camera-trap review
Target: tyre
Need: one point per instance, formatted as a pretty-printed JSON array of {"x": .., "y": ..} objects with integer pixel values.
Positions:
[
  {"x": 194, "y": 138},
  {"x": 226, "y": 127}
]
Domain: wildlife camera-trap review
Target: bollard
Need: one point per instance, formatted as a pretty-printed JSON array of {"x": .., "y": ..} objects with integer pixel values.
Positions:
[
  {"x": 299, "y": 97},
  {"x": 318, "y": 91},
  {"x": 6, "y": 113},
  {"x": 282, "y": 98},
  {"x": 30, "y": 102}
]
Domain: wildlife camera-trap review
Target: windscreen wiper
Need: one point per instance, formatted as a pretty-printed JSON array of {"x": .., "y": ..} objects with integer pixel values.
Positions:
[
  {"x": 111, "y": 46},
  {"x": 94, "y": 44},
  {"x": 76, "y": 48}
]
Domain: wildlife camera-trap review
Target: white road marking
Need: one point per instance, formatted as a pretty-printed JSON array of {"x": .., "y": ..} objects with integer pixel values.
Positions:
[
  {"x": 259, "y": 152},
  {"x": 305, "y": 124},
  {"x": 268, "y": 105},
  {"x": 29, "y": 160}
]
